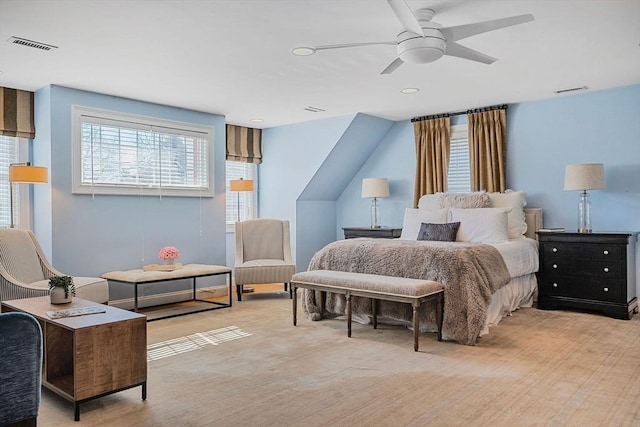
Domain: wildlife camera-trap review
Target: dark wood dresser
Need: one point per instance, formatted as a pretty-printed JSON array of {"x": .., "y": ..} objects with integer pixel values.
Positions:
[
  {"x": 594, "y": 271},
  {"x": 381, "y": 233}
]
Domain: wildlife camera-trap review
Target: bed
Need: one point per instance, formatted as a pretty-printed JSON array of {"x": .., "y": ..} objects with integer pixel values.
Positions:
[{"x": 487, "y": 264}]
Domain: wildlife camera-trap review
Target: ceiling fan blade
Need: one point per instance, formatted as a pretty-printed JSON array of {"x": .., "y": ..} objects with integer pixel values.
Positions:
[
  {"x": 340, "y": 46},
  {"x": 459, "y": 32},
  {"x": 393, "y": 66},
  {"x": 455, "y": 49},
  {"x": 406, "y": 16}
]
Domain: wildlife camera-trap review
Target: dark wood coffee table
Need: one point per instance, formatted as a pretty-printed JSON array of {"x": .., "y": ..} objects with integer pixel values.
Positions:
[{"x": 90, "y": 356}]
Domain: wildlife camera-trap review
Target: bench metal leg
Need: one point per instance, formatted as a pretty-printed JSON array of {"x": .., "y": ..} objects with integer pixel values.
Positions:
[
  {"x": 295, "y": 305},
  {"x": 348, "y": 295},
  {"x": 374, "y": 312}
]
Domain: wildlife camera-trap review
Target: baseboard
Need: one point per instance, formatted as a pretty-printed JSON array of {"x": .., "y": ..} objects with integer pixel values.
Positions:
[{"x": 170, "y": 297}]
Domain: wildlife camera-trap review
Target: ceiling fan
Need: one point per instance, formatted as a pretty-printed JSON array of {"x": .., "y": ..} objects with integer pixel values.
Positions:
[{"x": 423, "y": 41}]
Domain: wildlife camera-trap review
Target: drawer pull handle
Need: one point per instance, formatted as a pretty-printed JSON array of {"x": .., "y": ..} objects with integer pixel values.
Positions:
[
  {"x": 555, "y": 285},
  {"x": 606, "y": 252},
  {"x": 555, "y": 249},
  {"x": 606, "y": 269},
  {"x": 555, "y": 265},
  {"x": 606, "y": 289}
]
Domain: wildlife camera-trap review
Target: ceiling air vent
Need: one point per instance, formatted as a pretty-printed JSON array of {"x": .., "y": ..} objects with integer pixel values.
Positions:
[
  {"x": 573, "y": 89},
  {"x": 30, "y": 43},
  {"x": 314, "y": 109}
]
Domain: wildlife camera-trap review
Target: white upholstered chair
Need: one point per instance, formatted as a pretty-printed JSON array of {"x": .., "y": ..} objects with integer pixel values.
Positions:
[
  {"x": 263, "y": 253},
  {"x": 25, "y": 271}
]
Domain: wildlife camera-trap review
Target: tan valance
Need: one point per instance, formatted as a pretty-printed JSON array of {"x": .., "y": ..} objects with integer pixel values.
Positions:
[
  {"x": 16, "y": 113},
  {"x": 244, "y": 144}
]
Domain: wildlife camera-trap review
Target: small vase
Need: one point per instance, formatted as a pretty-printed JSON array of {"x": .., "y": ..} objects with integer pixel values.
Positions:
[
  {"x": 168, "y": 261},
  {"x": 57, "y": 296}
]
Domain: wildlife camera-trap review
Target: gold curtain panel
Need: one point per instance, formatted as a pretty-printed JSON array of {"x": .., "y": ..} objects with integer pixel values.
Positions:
[
  {"x": 488, "y": 150},
  {"x": 16, "y": 113},
  {"x": 433, "y": 140}
]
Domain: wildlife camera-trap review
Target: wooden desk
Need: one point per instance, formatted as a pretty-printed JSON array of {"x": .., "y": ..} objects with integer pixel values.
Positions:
[{"x": 87, "y": 357}]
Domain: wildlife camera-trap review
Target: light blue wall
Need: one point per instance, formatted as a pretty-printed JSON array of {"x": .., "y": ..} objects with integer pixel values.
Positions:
[
  {"x": 543, "y": 137},
  {"x": 314, "y": 173},
  {"x": 599, "y": 127},
  {"x": 89, "y": 235}
]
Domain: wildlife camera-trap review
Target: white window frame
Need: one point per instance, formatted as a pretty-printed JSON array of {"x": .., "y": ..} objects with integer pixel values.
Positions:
[
  {"x": 459, "y": 134},
  {"x": 80, "y": 114},
  {"x": 252, "y": 173},
  {"x": 22, "y": 192}
]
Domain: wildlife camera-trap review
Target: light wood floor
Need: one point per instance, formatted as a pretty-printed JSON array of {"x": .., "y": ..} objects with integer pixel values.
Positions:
[{"x": 536, "y": 368}]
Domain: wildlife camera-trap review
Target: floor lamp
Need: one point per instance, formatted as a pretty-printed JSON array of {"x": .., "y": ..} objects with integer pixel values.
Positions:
[
  {"x": 27, "y": 174},
  {"x": 239, "y": 185}
]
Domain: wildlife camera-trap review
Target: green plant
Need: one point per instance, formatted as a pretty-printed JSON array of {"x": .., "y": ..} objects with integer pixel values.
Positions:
[{"x": 65, "y": 282}]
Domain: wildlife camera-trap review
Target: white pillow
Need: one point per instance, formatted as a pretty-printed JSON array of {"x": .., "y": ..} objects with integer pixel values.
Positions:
[
  {"x": 413, "y": 219},
  {"x": 482, "y": 225},
  {"x": 430, "y": 201},
  {"x": 516, "y": 201}
]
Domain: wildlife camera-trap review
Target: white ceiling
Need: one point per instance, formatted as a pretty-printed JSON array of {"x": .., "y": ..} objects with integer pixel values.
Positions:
[{"x": 233, "y": 57}]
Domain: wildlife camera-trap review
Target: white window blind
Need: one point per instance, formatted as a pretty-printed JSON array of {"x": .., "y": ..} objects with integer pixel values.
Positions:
[
  {"x": 125, "y": 154},
  {"x": 9, "y": 152},
  {"x": 246, "y": 200},
  {"x": 459, "y": 174}
]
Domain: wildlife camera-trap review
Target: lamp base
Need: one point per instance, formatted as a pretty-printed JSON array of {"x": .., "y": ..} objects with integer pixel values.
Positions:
[{"x": 585, "y": 230}]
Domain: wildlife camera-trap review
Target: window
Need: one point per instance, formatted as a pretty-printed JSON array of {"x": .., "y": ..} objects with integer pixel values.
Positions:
[
  {"x": 116, "y": 153},
  {"x": 245, "y": 201},
  {"x": 12, "y": 150},
  {"x": 459, "y": 174}
]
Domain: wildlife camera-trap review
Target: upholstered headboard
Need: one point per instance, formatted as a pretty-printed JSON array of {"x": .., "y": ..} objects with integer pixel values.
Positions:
[{"x": 533, "y": 218}]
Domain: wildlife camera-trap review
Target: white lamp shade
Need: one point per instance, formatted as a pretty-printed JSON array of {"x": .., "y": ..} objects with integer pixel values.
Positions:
[
  {"x": 588, "y": 176},
  {"x": 375, "y": 187}
]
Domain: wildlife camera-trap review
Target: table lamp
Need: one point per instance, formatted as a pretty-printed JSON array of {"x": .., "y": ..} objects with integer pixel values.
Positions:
[
  {"x": 583, "y": 177},
  {"x": 27, "y": 174},
  {"x": 375, "y": 187}
]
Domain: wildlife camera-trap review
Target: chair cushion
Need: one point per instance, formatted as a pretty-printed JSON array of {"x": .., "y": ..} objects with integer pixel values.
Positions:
[{"x": 264, "y": 271}]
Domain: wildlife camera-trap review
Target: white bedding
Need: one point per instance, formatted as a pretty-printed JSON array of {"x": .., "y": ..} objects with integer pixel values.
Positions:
[{"x": 520, "y": 255}]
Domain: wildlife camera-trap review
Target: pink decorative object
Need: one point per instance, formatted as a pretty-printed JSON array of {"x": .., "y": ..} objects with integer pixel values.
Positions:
[{"x": 169, "y": 252}]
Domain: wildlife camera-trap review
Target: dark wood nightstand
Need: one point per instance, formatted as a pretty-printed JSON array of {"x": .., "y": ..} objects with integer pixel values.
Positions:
[
  {"x": 588, "y": 271},
  {"x": 380, "y": 233}
]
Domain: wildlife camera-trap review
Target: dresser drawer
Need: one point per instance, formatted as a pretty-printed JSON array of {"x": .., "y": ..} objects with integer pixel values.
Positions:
[
  {"x": 583, "y": 268},
  {"x": 583, "y": 251},
  {"x": 591, "y": 289}
]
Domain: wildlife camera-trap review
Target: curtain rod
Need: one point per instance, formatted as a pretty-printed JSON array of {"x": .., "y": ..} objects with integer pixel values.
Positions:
[{"x": 459, "y": 113}]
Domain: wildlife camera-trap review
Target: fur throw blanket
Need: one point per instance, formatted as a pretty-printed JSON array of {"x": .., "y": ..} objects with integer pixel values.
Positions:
[{"x": 470, "y": 273}]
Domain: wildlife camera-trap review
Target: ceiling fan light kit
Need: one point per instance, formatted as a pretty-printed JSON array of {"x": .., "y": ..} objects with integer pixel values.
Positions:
[{"x": 423, "y": 41}]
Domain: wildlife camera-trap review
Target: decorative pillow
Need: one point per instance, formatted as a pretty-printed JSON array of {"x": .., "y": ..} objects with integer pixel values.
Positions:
[
  {"x": 484, "y": 225},
  {"x": 413, "y": 218},
  {"x": 516, "y": 201},
  {"x": 479, "y": 199},
  {"x": 439, "y": 232}
]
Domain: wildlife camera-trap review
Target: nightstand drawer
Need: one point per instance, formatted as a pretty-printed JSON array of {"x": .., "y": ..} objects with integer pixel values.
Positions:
[
  {"x": 582, "y": 251},
  {"x": 580, "y": 268},
  {"x": 590, "y": 289}
]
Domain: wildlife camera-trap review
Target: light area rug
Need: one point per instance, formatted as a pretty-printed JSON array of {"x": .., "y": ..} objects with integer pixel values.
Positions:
[{"x": 536, "y": 368}]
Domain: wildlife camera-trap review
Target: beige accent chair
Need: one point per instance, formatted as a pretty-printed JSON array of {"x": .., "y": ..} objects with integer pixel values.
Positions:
[
  {"x": 263, "y": 253},
  {"x": 25, "y": 271}
]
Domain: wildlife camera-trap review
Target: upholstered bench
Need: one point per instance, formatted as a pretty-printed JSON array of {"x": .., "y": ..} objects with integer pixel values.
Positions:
[{"x": 388, "y": 288}]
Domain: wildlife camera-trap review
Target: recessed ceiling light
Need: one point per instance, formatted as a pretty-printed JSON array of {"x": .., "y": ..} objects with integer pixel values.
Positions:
[
  {"x": 303, "y": 51},
  {"x": 257, "y": 120},
  {"x": 410, "y": 90}
]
